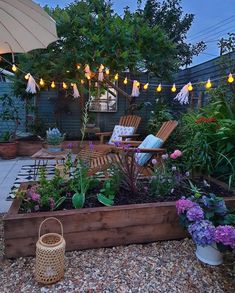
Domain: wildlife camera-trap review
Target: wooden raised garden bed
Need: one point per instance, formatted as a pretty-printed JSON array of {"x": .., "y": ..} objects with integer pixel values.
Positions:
[{"x": 94, "y": 227}]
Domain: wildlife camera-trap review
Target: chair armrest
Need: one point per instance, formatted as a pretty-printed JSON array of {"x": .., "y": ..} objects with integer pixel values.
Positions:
[
  {"x": 103, "y": 135},
  {"x": 129, "y": 136},
  {"x": 130, "y": 142},
  {"x": 154, "y": 151}
]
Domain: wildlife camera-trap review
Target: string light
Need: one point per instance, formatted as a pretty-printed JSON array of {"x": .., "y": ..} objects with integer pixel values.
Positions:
[
  {"x": 116, "y": 76},
  {"x": 101, "y": 67},
  {"x": 26, "y": 76},
  {"x": 173, "y": 89},
  {"x": 107, "y": 71},
  {"x": 190, "y": 87},
  {"x": 82, "y": 81},
  {"x": 64, "y": 85},
  {"x": 41, "y": 82},
  {"x": 78, "y": 66},
  {"x": 67, "y": 71},
  {"x": 230, "y": 78},
  {"x": 146, "y": 86},
  {"x": 208, "y": 84},
  {"x": 53, "y": 85},
  {"x": 125, "y": 81},
  {"x": 159, "y": 88},
  {"x": 88, "y": 77},
  {"x": 14, "y": 68},
  {"x": 137, "y": 83}
]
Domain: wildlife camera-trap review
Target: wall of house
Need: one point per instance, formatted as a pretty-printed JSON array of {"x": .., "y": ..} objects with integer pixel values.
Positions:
[{"x": 6, "y": 88}]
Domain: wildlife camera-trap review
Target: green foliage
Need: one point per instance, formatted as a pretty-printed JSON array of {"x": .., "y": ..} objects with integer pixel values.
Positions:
[
  {"x": 9, "y": 115},
  {"x": 159, "y": 114},
  {"x": 107, "y": 193},
  {"x": 81, "y": 183}
]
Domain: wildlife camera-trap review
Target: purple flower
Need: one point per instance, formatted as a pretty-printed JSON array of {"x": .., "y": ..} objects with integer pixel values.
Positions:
[
  {"x": 70, "y": 145},
  {"x": 173, "y": 168},
  {"x": 35, "y": 196},
  {"x": 202, "y": 232},
  {"x": 225, "y": 235},
  {"x": 137, "y": 150},
  {"x": 36, "y": 208},
  {"x": 126, "y": 147},
  {"x": 91, "y": 146},
  {"x": 117, "y": 143},
  {"x": 187, "y": 174},
  {"x": 183, "y": 205},
  {"x": 154, "y": 161},
  {"x": 165, "y": 157},
  {"x": 195, "y": 213}
]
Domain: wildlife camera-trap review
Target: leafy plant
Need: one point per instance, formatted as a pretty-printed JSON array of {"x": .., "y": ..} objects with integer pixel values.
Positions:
[
  {"x": 54, "y": 136},
  {"x": 107, "y": 193}
]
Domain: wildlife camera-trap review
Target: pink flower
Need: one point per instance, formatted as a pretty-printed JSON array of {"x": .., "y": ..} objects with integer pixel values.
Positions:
[
  {"x": 35, "y": 196},
  {"x": 178, "y": 153},
  {"x": 173, "y": 156},
  {"x": 183, "y": 205},
  {"x": 51, "y": 202}
]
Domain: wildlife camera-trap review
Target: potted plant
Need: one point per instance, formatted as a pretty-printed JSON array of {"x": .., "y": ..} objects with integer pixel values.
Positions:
[
  {"x": 91, "y": 120},
  {"x": 10, "y": 120},
  {"x": 210, "y": 225},
  {"x": 54, "y": 138}
]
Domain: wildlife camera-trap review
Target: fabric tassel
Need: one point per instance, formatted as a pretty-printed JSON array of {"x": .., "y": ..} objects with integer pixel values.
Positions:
[
  {"x": 183, "y": 96},
  {"x": 101, "y": 74},
  {"x": 135, "y": 89},
  {"x": 87, "y": 71},
  {"x": 31, "y": 85},
  {"x": 75, "y": 91}
]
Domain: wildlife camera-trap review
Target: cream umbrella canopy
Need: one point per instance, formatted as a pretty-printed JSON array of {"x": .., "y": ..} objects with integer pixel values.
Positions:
[{"x": 24, "y": 26}]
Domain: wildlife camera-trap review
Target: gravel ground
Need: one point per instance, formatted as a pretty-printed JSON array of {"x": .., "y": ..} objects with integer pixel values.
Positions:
[{"x": 165, "y": 267}]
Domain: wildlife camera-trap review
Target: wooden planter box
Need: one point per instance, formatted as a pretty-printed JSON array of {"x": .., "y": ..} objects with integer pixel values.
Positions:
[{"x": 95, "y": 227}]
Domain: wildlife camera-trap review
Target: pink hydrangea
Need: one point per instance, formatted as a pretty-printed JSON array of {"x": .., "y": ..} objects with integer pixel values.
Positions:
[
  {"x": 176, "y": 154},
  {"x": 183, "y": 205},
  {"x": 225, "y": 235},
  {"x": 35, "y": 196}
]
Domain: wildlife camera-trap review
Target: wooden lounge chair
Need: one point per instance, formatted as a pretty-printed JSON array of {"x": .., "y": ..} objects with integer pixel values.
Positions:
[{"x": 101, "y": 163}]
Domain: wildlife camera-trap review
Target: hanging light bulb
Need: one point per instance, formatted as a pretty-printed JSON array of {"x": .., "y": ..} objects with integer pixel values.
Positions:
[
  {"x": 208, "y": 84},
  {"x": 125, "y": 81},
  {"x": 27, "y": 76},
  {"x": 41, "y": 82},
  {"x": 72, "y": 84},
  {"x": 173, "y": 89},
  {"x": 116, "y": 76},
  {"x": 137, "y": 83},
  {"x": 78, "y": 66},
  {"x": 159, "y": 88},
  {"x": 101, "y": 67},
  {"x": 14, "y": 68},
  {"x": 64, "y": 85},
  {"x": 107, "y": 71},
  {"x": 88, "y": 77},
  {"x": 146, "y": 86},
  {"x": 230, "y": 78},
  {"x": 53, "y": 84},
  {"x": 82, "y": 81},
  {"x": 67, "y": 71},
  {"x": 190, "y": 87}
]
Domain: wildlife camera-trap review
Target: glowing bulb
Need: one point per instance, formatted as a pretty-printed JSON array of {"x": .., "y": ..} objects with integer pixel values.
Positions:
[
  {"x": 230, "y": 78},
  {"x": 137, "y": 83},
  {"x": 116, "y": 76},
  {"x": 26, "y": 76},
  {"x": 190, "y": 87},
  {"x": 173, "y": 89},
  {"x": 72, "y": 84},
  {"x": 146, "y": 86},
  {"x": 208, "y": 84},
  {"x": 64, "y": 85},
  {"x": 41, "y": 82},
  {"x": 159, "y": 88},
  {"x": 125, "y": 81},
  {"x": 82, "y": 81},
  {"x": 78, "y": 66},
  {"x": 88, "y": 77},
  {"x": 53, "y": 84},
  {"x": 101, "y": 67},
  {"x": 67, "y": 71},
  {"x": 107, "y": 71},
  {"x": 14, "y": 68}
]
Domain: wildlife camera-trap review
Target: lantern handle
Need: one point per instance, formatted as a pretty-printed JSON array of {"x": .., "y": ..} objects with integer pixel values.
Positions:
[{"x": 50, "y": 218}]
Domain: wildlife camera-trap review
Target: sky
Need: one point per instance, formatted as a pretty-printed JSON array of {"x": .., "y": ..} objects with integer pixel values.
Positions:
[{"x": 213, "y": 20}]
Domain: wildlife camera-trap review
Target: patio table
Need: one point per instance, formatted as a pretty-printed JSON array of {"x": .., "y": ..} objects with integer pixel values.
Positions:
[{"x": 43, "y": 156}]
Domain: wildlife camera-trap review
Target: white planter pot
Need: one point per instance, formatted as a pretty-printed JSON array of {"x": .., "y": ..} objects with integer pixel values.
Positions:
[{"x": 209, "y": 254}]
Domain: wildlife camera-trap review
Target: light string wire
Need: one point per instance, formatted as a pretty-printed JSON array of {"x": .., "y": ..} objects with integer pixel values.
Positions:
[{"x": 124, "y": 77}]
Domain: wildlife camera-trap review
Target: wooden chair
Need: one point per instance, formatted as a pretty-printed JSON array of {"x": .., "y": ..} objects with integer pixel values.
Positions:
[
  {"x": 129, "y": 120},
  {"x": 101, "y": 163}
]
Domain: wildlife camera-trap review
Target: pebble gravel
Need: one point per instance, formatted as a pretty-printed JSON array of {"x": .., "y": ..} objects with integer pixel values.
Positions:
[{"x": 164, "y": 267}]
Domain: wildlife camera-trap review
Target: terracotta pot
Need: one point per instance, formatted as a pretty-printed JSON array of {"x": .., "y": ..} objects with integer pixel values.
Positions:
[{"x": 8, "y": 150}]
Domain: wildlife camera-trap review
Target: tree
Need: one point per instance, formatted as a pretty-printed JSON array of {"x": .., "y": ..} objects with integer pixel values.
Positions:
[{"x": 169, "y": 16}]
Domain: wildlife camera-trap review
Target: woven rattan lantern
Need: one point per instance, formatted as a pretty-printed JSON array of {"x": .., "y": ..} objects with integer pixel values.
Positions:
[{"x": 50, "y": 250}]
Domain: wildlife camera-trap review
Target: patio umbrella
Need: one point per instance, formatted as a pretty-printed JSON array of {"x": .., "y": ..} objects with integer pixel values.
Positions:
[{"x": 24, "y": 26}]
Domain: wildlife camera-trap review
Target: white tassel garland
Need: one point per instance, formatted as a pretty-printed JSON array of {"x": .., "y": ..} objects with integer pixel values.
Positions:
[
  {"x": 135, "y": 89},
  {"x": 75, "y": 91},
  {"x": 101, "y": 74},
  {"x": 31, "y": 85},
  {"x": 87, "y": 71},
  {"x": 183, "y": 96}
]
